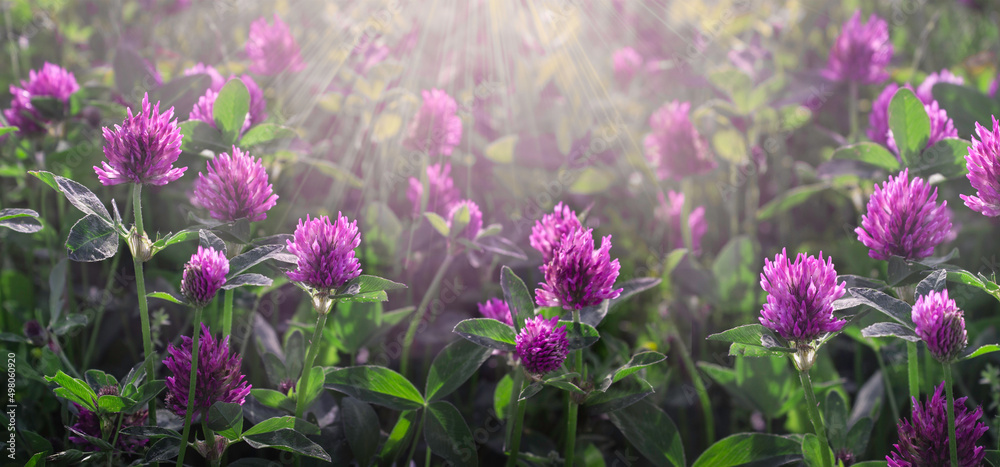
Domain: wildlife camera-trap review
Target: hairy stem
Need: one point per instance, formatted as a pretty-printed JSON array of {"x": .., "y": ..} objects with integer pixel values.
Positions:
[
  {"x": 515, "y": 442},
  {"x": 817, "y": 420},
  {"x": 913, "y": 369},
  {"x": 227, "y": 313},
  {"x": 140, "y": 285},
  {"x": 314, "y": 344},
  {"x": 192, "y": 385}
]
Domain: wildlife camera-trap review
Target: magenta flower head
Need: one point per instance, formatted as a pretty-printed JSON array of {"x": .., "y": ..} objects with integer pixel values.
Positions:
[
  {"x": 50, "y": 81},
  {"x": 204, "y": 108},
  {"x": 674, "y": 147},
  {"x": 924, "y": 441},
  {"x": 219, "y": 377},
  {"x": 497, "y": 309},
  {"x": 217, "y": 81},
  {"x": 627, "y": 62},
  {"x": 272, "y": 49},
  {"x": 904, "y": 219},
  {"x": 983, "y": 162},
  {"x": 861, "y": 52},
  {"x": 89, "y": 423},
  {"x": 441, "y": 192},
  {"x": 235, "y": 187},
  {"x": 940, "y": 324},
  {"x": 325, "y": 252},
  {"x": 475, "y": 224},
  {"x": 941, "y": 127},
  {"x": 541, "y": 346},
  {"x": 670, "y": 212},
  {"x": 579, "y": 276},
  {"x": 550, "y": 230},
  {"x": 800, "y": 296},
  {"x": 204, "y": 275},
  {"x": 436, "y": 129},
  {"x": 944, "y": 76},
  {"x": 143, "y": 149},
  {"x": 878, "y": 120}
]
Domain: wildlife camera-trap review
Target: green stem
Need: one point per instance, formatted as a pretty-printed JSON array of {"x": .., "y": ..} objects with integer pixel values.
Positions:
[
  {"x": 114, "y": 439},
  {"x": 572, "y": 409},
  {"x": 852, "y": 112},
  {"x": 140, "y": 285},
  {"x": 952, "y": 443},
  {"x": 515, "y": 442},
  {"x": 411, "y": 331},
  {"x": 227, "y": 313},
  {"x": 888, "y": 385},
  {"x": 913, "y": 369},
  {"x": 699, "y": 387},
  {"x": 314, "y": 344},
  {"x": 813, "y": 408},
  {"x": 427, "y": 458},
  {"x": 213, "y": 459},
  {"x": 416, "y": 439},
  {"x": 195, "y": 340}
]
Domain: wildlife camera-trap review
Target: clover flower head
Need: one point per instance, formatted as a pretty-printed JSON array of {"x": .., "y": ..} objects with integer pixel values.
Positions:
[
  {"x": 325, "y": 252},
  {"x": 861, "y": 52},
  {"x": 800, "y": 296},
  {"x": 983, "y": 162},
  {"x": 142, "y": 149},
  {"x": 218, "y": 379},
  {"x": 940, "y": 324},
  {"x": 923, "y": 439},
  {"x": 674, "y": 147},
  {"x": 579, "y": 276},
  {"x": 904, "y": 219},
  {"x": 235, "y": 187},
  {"x": 541, "y": 346}
]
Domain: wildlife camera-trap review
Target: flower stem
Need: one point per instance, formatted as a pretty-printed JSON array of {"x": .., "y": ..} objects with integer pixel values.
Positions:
[
  {"x": 140, "y": 285},
  {"x": 913, "y": 369},
  {"x": 952, "y": 442},
  {"x": 572, "y": 409},
  {"x": 213, "y": 457},
  {"x": 314, "y": 344},
  {"x": 195, "y": 339},
  {"x": 416, "y": 438},
  {"x": 852, "y": 112},
  {"x": 227, "y": 313},
  {"x": 411, "y": 331},
  {"x": 813, "y": 408},
  {"x": 699, "y": 387},
  {"x": 515, "y": 442}
]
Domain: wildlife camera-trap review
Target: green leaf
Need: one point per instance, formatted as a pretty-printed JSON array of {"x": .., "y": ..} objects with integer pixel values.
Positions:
[
  {"x": 399, "y": 438},
  {"x": 38, "y": 459},
  {"x": 265, "y": 133},
  {"x": 448, "y": 435},
  {"x": 591, "y": 181},
  {"x": 163, "y": 450},
  {"x": 651, "y": 432},
  {"x": 737, "y": 274},
  {"x": 287, "y": 440},
  {"x": 78, "y": 195},
  {"x": 902, "y": 272},
  {"x": 813, "y": 451},
  {"x": 934, "y": 281},
  {"x": 459, "y": 221},
  {"x": 69, "y": 323},
  {"x": 230, "y": 109},
  {"x": 361, "y": 427},
  {"x": 579, "y": 335},
  {"x": 438, "y": 223},
  {"x": 175, "y": 238},
  {"x": 152, "y": 432},
  {"x": 7, "y": 129},
  {"x": 332, "y": 170},
  {"x": 145, "y": 393},
  {"x": 910, "y": 125},
  {"x": 746, "y": 448},
  {"x": 631, "y": 390},
  {"x": 454, "y": 365},
  {"x": 965, "y": 106},
  {"x": 112, "y": 404},
  {"x": 890, "y": 330},
  {"x": 182, "y": 93},
  {"x": 354, "y": 324},
  {"x": 789, "y": 199},
  {"x": 376, "y": 385},
  {"x": 168, "y": 297},
  {"x": 631, "y": 288},
  {"x": 366, "y": 284},
  {"x": 226, "y": 419},
  {"x": 501, "y": 396},
  {"x": 80, "y": 391},
  {"x": 945, "y": 157},
  {"x": 529, "y": 391},
  {"x": 501, "y": 150},
  {"x": 518, "y": 299},
  {"x": 754, "y": 335},
  {"x": 252, "y": 258},
  {"x": 272, "y": 398},
  {"x": 595, "y": 314},
  {"x": 271, "y": 424},
  {"x": 983, "y": 350},
  {"x": 835, "y": 418},
  {"x": 858, "y": 435},
  {"x": 198, "y": 136},
  {"x": 92, "y": 239},
  {"x": 99, "y": 379},
  {"x": 639, "y": 361},
  {"x": 315, "y": 386},
  {"x": 869, "y": 153},
  {"x": 252, "y": 279},
  {"x": 488, "y": 333},
  {"x": 893, "y": 308},
  {"x": 20, "y": 220}
]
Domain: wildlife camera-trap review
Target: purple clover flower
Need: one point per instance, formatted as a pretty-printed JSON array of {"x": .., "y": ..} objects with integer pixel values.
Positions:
[
  {"x": 204, "y": 108},
  {"x": 940, "y": 324},
  {"x": 436, "y": 129},
  {"x": 861, "y": 52},
  {"x": 670, "y": 212},
  {"x": 219, "y": 377},
  {"x": 550, "y": 230},
  {"x": 541, "y": 346},
  {"x": 143, "y": 149},
  {"x": 497, "y": 309},
  {"x": 89, "y": 423},
  {"x": 204, "y": 275},
  {"x": 674, "y": 147},
  {"x": 904, "y": 219},
  {"x": 878, "y": 120},
  {"x": 475, "y": 224},
  {"x": 924, "y": 91},
  {"x": 983, "y": 162},
  {"x": 924, "y": 440},
  {"x": 50, "y": 81},
  {"x": 272, "y": 49},
  {"x": 441, "y": 194},
  {"x": 216, "y": 80},
  {"x": 941, "y": 127},
  {"x": 800, "y": 297},
  {"x": 325, "y": 252},
  {"x": 627, "y": 62},
  {"x": 579, "y": 276},
  {"x": 235, "y": 187}
]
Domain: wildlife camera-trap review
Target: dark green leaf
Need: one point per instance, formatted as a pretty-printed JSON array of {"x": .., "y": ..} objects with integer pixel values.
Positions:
[
  {"x": 858, "y": 435},
  {"x": 308, "y": 394},
  {"x": 639, "y": 361},
  {"x": 287, "y": 440},
  {"x": 145, "y": 393},
  {"x": 69, "y": 323},
  {"x": 252, "y": 279},
  {"x": 152, "y": 432},
  {"x": 453, "y": 366},
  {"x": 934, "y": 281},
  {"x": 271, "y": 424},
  {"x": 163, "y": 450},
  {"x": 399, "y": 438},
  {"x": 895, "y": 309},
  {"x": 983, "y": 350},
  {"x": 902, "y": 272},
  {"x": 78, "y": 195},
  {"x": 789, "y": 199},
  {"x": 869, "y": 153},
  {"x": 226, "y": 419},
  {"x": 630, "y": 288},
  {"x": 529, "y": 391},
  {"x": 910, "y": 125},
  {"x": 376, "y": 385},
  {"x": 99, "y": 379},
  {"x": 92, "y": 239},
  {"x": 50, "y": 108},
  {"x": 652, "y": 432},
  {"x": 354, "y": 324},
  {"x": 813, "y": 451},
  {"x": 251, "y": 258},
  {"x": 754, "y": 335},
  {"x": 890, "y": 330},
  {"x": 945, "y": 157},
  {"x": 265, "y": 133},
  {"x": 361, "y": 427},
  {"x": 488, "y": 333},
  {"x": 629, "y": 391},
  {"x": 168, "y": 297},
  {"x": 835, "y": 418},
  {"x": 20, "y": 220},
  {"x": 593, "y": 315},
  {"x": 965, "y": 106},
  {"x": 366, "y": 284},
  {"x": 199, "y": 136},
  {"x": 737, "y": 274},
  {"x": 448, "y": 435},
  {"x": 518, "y": 299},
  {"x": 230, "y": 109},
  {"x": 579, "y": 335},
  {"x": 745, "y": 448}
]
